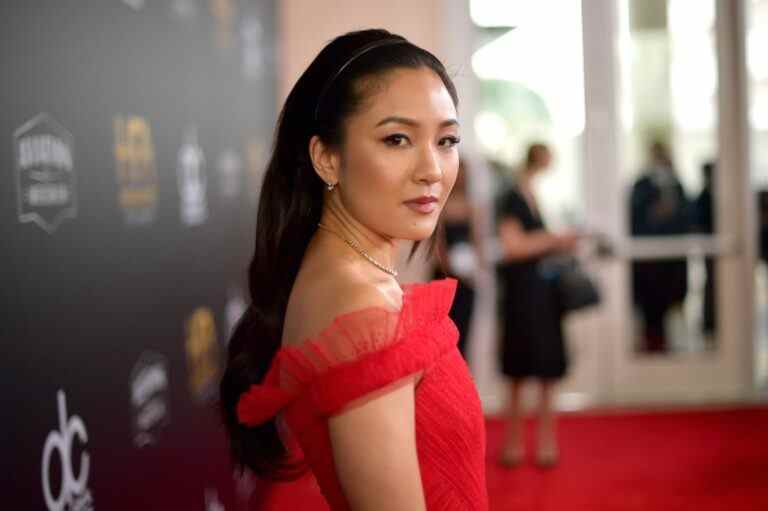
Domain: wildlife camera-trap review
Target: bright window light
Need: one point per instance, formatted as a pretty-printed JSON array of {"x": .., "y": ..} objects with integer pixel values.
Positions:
[
  {"x": 496, "y": 13},
  {"x": 491, "y": 130},
  {"x": 544, "y": 54}
]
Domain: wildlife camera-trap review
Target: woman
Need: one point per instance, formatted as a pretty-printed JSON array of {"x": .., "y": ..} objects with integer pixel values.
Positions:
[
  {"x": 460, "y": 252},
  {"x": 332, "y": 356},
  {"x": 532, "y": 339}
]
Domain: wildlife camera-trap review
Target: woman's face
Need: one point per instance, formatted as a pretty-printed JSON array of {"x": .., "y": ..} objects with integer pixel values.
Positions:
[
  {"x": 542, "y": 160},
  {"x": 399, "y": 159}
]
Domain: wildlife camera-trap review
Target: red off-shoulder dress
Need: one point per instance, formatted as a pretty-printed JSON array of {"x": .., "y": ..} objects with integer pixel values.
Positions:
[{"x": 364, "y": 351}]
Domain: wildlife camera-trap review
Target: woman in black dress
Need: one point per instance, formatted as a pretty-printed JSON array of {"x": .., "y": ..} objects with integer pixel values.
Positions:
[{"x": 532, "y": 344}]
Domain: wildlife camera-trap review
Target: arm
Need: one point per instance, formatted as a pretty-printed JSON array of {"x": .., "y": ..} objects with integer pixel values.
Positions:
[
  {"x": 374, "y": 448},
  {"x": 517, "y": 244}
]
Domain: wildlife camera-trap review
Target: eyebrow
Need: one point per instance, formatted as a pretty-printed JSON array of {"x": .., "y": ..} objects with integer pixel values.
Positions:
[{"x": 411, "y": 122}]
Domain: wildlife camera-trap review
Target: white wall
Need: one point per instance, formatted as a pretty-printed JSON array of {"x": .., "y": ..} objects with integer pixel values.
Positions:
[{"x": 305, "y": 26}]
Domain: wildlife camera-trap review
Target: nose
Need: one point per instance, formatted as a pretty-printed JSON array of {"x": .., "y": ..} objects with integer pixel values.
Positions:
[{"x": 429, "y": 167}]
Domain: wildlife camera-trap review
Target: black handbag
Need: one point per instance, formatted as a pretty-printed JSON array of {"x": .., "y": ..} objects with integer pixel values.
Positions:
[{"x": 574, "y": 289}]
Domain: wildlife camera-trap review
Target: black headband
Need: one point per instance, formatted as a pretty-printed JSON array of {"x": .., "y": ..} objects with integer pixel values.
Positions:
[{"x": 365, "y": 49}]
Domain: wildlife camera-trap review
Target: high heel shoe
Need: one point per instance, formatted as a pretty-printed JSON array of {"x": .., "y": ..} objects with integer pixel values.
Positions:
[
  {"x": 511, "y": 458},
  {"x": 547, "y": 457}
]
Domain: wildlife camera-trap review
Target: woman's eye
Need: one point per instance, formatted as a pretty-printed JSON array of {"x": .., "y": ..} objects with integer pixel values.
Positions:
[
  {"x": 396, "y": 140},
  {"x": 449, "y": 141}
]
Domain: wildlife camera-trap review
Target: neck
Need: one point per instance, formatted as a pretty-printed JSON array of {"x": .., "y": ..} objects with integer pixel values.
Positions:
[
  {"x": 383, "y": 249},
  {"x": 526, "y": 178}
]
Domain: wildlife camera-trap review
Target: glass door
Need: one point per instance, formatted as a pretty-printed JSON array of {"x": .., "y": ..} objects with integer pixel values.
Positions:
[
  {"x": 672, "y": 192},
  {"x": 757, "y": 72}
]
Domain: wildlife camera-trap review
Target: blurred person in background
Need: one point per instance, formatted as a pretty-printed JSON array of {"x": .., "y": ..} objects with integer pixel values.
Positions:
[
  {"x": 532, "y": 340},
  {"x": 658, "y": 207},
  {"x": 460, "y": 251},
  {"x": 703, "y": 219},
  {"x": 334, "y": 366}
]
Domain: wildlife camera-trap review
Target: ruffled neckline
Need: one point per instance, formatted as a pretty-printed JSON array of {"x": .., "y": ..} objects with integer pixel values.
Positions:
[
  {"x": 414, "y": 309},
  {"x": 423, "y": 304}
]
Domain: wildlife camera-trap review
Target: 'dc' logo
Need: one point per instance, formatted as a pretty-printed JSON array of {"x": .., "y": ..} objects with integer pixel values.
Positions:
[{"x": 61, "y": 441}]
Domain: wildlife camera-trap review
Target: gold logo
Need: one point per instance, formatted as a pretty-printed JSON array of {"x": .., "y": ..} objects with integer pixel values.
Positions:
[
  {"x": 203, "y": 358},
  {"x": 136, "y": 170}
]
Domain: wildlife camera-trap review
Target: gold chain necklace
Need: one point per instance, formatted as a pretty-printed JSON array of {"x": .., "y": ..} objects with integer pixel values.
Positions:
[{"x": 357, "y": 248}]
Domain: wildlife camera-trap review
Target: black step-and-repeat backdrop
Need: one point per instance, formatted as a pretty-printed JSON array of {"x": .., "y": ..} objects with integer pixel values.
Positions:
[{"x": 133, "y": 136}]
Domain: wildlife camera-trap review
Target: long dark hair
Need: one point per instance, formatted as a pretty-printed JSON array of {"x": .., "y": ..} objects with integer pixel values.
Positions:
[{"x": 289, "y": 209}]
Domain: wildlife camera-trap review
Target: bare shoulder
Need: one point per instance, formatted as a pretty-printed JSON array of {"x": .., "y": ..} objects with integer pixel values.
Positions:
[{"x": 319, "y": 297}]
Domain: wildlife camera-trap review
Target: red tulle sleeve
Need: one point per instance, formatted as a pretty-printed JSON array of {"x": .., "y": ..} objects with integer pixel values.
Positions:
[{"x": 359, "y": 353}]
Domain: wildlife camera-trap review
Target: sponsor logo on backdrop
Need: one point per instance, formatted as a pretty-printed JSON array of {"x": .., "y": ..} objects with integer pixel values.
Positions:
[
  {"x": 224, "y": 13},
  {"x": 203, "y": 353},
  {"x": 212, "y": 502},
  {"x": 71, "y": 493},
  {"x": 233, "y": 310},
  {"x": 229, "y": 167},
  {"x": 45, "y": 173},
  {"x": 192, "y": 180},
  {"x": 252, "y": 47},
  {"x": 149, "y": 397},
  {"x": 256, "y": 154},
  {"x": 136, "y": 170}
]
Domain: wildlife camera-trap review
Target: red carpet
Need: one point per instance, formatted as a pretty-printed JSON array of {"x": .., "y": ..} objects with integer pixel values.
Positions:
[
  {"x": 709, "y": 460},
  {"x": 666, "y": 461}
]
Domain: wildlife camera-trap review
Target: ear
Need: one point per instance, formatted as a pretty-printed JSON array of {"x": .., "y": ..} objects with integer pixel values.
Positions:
[{"x": 325, "y": 160}]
